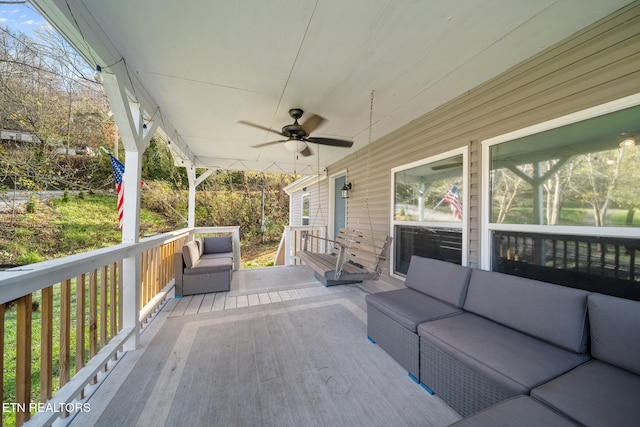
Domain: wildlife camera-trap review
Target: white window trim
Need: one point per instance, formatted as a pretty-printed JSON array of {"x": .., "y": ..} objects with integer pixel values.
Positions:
[
  {"x": 302, "y": 217},
  {"x": 486, "y": 227},
  {"x": 464, "y": 225}
]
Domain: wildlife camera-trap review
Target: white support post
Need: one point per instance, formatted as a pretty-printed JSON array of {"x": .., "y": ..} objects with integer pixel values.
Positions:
[
  {"x": 135, "y": 136},
  {"x": 191, "y": 218},
  {"x": 193, "y": 184}
]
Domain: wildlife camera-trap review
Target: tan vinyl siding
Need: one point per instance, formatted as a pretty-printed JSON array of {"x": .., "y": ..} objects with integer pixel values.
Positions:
[
  {"x": 319, "y": 204},
  {"x": 295, "y": 208},
  {"x": 601, "y": 63}
]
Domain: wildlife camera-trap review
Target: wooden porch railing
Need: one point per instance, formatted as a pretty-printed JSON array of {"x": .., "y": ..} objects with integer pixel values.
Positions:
[
  {"x": 61, "y": 323},
  {"x": 293, "y": 240}
]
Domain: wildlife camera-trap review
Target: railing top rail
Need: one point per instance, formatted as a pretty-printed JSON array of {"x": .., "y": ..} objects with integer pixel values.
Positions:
[
  {"x": 305, "y": 227},
  {"x": 20, "y": 281}
]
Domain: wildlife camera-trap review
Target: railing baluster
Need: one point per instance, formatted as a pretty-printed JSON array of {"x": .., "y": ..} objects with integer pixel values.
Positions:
[
  {"x": 80, "y": 322},
  {"x": 23, "y": 356},
  {"x": 120, "y": 283},
  {"x": 1, "y": 360},
  {"x": 93, "y": 317},
  {"x": 104, "y": 277},
  {"x": 112, "y": 302},
  {"x": 65, "y": 331},
  {"x": 46, "y": 344}
]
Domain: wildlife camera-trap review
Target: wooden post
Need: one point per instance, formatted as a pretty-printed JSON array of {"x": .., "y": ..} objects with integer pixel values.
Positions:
[
  {"x": 93, "y": 316},
  {"x": 65, "y": 331},
  {"x": 46, "y": 344},
  {"x": 23, "y": 357},
  {"x": 80, "y": 323}
]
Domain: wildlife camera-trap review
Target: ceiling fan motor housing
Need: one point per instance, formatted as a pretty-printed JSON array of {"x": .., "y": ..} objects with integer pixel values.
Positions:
[{"x": 294, "y": 131}]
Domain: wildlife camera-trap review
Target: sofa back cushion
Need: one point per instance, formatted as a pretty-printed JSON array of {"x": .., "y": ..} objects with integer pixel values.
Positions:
[
  {"x": 552, "y": 313},
  {"x": 615, "y": 331},
  {"x": 439, "y": 279},
  {"x": 200, "y": 243},
  {"x": 190, "y": 254},
  {"x": 216, "y": 245}
]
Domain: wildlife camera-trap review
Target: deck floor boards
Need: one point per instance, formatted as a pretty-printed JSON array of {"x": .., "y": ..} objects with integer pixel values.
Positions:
[{"x": 264, "y": 356}]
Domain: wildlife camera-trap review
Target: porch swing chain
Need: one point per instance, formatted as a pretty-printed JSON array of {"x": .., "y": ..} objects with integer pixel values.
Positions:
[{"x": 366, "y": 192}]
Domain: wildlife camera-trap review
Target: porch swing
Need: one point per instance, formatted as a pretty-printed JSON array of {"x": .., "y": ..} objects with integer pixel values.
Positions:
[{"x": 356, "y": 255}]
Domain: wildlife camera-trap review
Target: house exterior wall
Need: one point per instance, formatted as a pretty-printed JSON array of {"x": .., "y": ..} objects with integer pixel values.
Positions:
[
  {"x": 318, "y": 204},
  {"x": 601, "y": 63}
]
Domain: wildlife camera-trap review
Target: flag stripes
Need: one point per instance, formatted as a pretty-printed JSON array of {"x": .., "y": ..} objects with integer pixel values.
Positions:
[
  {"x": 452, "y": 198},
  {"x": 118, "y": 175}
]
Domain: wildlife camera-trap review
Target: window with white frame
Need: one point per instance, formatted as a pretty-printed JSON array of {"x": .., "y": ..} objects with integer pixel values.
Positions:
[
  {"x": 562, "y": 200},
  {"x": 306, "y": 208},
  {"x": 428, "y": 210}
]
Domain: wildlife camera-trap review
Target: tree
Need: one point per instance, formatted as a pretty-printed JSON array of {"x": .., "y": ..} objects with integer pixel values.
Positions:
[{"x": 597, "y": 179}]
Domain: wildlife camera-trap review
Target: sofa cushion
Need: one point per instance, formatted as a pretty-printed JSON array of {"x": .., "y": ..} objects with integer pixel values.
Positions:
[
  {"x": 210, "y": 265},
  {"x": 221, "y": 244},
  {"x": 553, "y": 313},
  {"x": 520, "y": 411},
  {"x": 228, "y": 255},
  {"x": 516, "y": 362},
  {"x": 200, "y": 242},
  {"x": 440, "y": 279},
  {"x": 615, "y": 331},
  {"x": 409, "y": 307},
  {"x": 190, "y": 254},
  {"x": 595, "y": 394}
]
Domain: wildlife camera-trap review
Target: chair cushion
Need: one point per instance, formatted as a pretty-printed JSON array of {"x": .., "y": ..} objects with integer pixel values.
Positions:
[
  {"x": 595, "y": 394},
  {"x": 200, "y": 242},
  {"x": 220, "y": 255},
  {"x": 213, "y": 245},
  {"x": 440, "y": 279},
  {"x": 190, "y": 254},
  {"x": 210, "y": 265},
  {"x": 520, "y": 411},
  {"x": 615, "y": 329},
  {"x": 409, "y": 307},
  {"x": 553, "y": 313},
  {"x": 514, "y": 361}
]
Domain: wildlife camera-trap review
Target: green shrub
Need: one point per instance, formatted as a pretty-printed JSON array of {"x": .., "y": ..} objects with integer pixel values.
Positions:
[
  {"x": 32, "y": 204},
  {"x": 30, "y": 257}
]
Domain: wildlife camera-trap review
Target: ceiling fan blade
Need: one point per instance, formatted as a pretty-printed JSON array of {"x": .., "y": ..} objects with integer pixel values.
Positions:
[
  {"x": 306, "y": 152},
  {"x": 265, "y": 144},
  {"x": 312, "y": 123},
  {"x": 330, "y": 141},
  {"x": 259, "y": 127}
]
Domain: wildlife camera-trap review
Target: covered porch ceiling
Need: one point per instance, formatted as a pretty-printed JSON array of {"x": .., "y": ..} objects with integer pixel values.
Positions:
[{"x": 199, "y": 68}]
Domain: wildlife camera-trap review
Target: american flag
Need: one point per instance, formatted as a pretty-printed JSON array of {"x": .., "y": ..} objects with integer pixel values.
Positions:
[
  {"x": 452, "y": 198},
  {"x": 118, "y": 174}
]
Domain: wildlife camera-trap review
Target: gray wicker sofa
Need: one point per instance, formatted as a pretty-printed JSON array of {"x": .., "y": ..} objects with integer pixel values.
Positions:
[
  {"x": 599, "y": 393},
  {"x": 204, "y": 265},
  {"x": 435, "y": 289},
  {"x": 515, "y": 335},
  {"x": 513, "y": 351}
]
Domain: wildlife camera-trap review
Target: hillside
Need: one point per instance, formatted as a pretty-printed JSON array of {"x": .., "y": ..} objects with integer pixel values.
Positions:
[{"x": 78, "y": 223}]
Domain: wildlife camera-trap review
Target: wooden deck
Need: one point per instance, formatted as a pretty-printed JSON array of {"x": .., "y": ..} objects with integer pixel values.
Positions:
[{"x": 278, "y": 349}]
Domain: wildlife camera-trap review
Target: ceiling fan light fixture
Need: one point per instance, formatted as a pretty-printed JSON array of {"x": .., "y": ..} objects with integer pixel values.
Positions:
[{"x": 295, "y": 145}]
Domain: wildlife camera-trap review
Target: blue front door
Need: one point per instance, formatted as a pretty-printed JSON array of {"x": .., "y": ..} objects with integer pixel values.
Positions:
[{"x": 340, "y": 210}]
